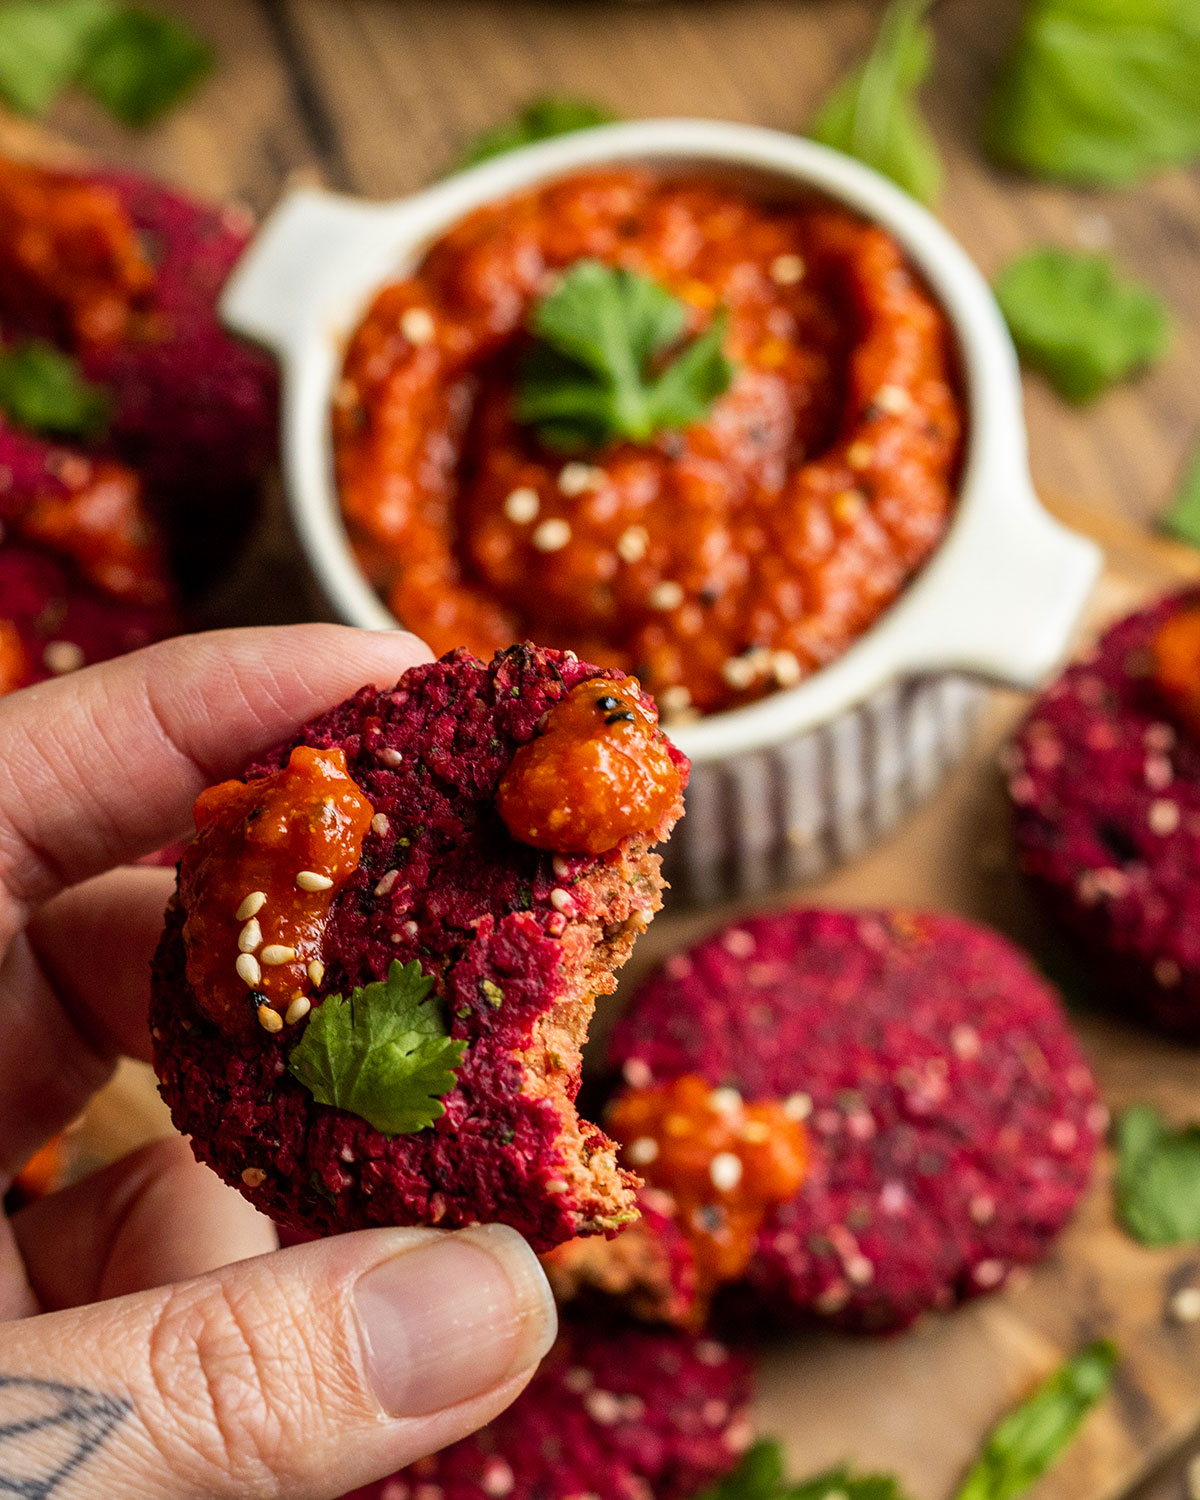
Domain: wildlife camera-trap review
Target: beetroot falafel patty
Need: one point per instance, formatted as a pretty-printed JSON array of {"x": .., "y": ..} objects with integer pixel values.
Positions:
[
  {"x": 385, "y": 851},
  {"x": 952, "y": 1119},
  {"x": 1104, "y": 778},
  {"x": 623, "y": 1413}
]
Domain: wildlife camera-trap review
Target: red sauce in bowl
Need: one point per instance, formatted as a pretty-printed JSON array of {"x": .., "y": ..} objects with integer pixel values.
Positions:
[{"x": 716, "y": 563}]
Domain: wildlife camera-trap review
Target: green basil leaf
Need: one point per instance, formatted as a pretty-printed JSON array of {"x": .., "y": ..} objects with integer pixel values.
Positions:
[
  {"x": 1182, "y": 520},
  {"x": 1076, "y": 321}
]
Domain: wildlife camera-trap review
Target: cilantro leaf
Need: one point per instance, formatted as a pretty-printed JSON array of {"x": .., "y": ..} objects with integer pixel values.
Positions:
[
  {"x": 384, "y": 1054},
  {"x": 1027, "y": 1441},
  {"x": 759, "y": 1476},
  {"x": 873, "y": 115},
  {"x": 1073, "y": 319},
  {"x": 1182, "y": 520},
  {"x": 140, "y": 65},
  {"x": 594, "y": 376},
  {"x": 1100, "y": 91},
  {"x": 539, "y": 120},
  {"x": 42, "y": 391},
  {"x": 1158, "y": 1178},
  {"x": 43, "y": 44}
]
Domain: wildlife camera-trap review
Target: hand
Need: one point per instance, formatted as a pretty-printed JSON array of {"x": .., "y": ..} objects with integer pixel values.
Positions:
[{"x": 135, "y": 1359}]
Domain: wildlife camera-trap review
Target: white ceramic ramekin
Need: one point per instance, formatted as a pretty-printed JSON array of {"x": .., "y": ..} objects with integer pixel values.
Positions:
[{"x": 785, "y": 787}]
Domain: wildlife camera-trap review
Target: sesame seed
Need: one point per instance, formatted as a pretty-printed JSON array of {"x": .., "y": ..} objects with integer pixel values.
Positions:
[
  {"x": 417, "y": 325},
  {"x": 410, "y": 930},
  {"x": 498, "y": 1478},
  {"x": 665, "y": 595},
  {"x": 278, "y": 953},
  {"x": 556, "y": 1185},
  {"x": 739, "y": 671},
  {"x": 310, "y": 880},
  {"x": 387, "y": 882},
  {"x": 726, "y": 1101},
  {"x": 560, "y": 867},
  {"x": 642, "y": 1151},
  {"x": 269, "y": 1019},
  {"x": 893, "y": 399},
  {"x": 859, "y": 455},
  {"x": 1185, "y": 1305},
  {"x": 637, "y": 1073},
  {"x": 798, "y": 1106},
  {"x": 552, "y": 534},
  {"x": 1163, "y": 816},
  {"x": 756, "y": 1132},
  {"x": 603, "y": 1407},
  {"x": 298, "y": 1009},
  {"x": 251, "y": 905},
  {"x": 785, "y": 665},
  {"x": 965, "y": 1041},
  {"x": 61, "y": 657},
  {"x": 989, "y": 1273},
  {"x": 738, "y": 941},
  {"x": 848, "y": 505},
  {"x": 249, "y": 970},
  {"x": 725, "y": 1169},
  {"x": 860, "y": 1271},
  {"x": 633, "y": 544},
  {"x": 380, "y": 825},
  {"x": 389, "y": 757},
  {"x": 522, "y": 505},
  {"x": 675, "y": 699},
  {"x": 250, "y": 936},
  {"x": 345, "y": 398},
  {"x": 577, "y": 479},
  {"x": 982, "y": 1208},
  {"x": 254, "y": 1177},
  {"x": 561, "y": 900},
  {"x": 787, "y": 270}
]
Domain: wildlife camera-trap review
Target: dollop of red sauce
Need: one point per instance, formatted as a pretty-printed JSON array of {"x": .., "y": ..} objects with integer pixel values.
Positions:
[
  {"x": 717, "y": 563},
  {"x": 600, "y": 771},
  {"x": 247, "y": 885},
  {"x": 70, "y": 253},
  {"x": 1175, "y": 651},
  {"x": 726, "y": 1164}
]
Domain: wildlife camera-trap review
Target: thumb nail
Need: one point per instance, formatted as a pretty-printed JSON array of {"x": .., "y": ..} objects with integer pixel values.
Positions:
[{"x": 453, "y": 1318}]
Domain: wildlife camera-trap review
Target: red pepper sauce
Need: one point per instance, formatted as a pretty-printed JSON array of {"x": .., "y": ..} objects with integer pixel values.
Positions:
[
  {"x": 598, "y": 772},
  {"x": 257, "y": 883},
  {"x": 1176, "y": 655},
  {"x": 726, "y": 1164},
  {"x": 69, "y": 253},
  {"x": 716, "y": 564}
]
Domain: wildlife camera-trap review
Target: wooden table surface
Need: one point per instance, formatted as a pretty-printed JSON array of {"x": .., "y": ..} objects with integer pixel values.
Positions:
[{"x": 376, "y": 96}]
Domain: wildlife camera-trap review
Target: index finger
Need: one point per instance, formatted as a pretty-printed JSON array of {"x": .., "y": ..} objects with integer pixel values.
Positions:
[{"x": 103, "y": 766}]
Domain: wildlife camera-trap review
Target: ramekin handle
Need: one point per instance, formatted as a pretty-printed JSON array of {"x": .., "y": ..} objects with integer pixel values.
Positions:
[
  {"x": 280, "y": 277},
  {"x": 1016, "y": 582}
]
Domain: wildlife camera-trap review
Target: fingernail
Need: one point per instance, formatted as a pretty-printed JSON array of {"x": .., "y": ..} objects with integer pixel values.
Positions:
[{"x": 453, "y": 1318}]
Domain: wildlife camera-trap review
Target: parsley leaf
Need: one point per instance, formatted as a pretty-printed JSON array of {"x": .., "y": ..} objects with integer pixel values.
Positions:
[
  {"x": 42, "y": 391},
  {"x": 872, "y": 114},
  {"x": 759, "y": 1476},
  {"x": 1073, "y": 319},
  {"x": 135, "y": 63},
  {"x": 595, "y": 376},
  {"x": 1158, "y": 1178},
  {"x": 384, "y": 1054},
  {"x": 140, "y": 66},
  {"x": 43, "y": 45},
  {"x": 1027, "y": 1441},
  {"x": 539, "y": 120},
  {"x": 1100, "y": 91},
  {"x": 1182, "y": 520}
]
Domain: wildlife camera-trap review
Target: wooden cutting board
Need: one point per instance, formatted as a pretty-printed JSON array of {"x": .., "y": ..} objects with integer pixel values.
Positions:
[{"x": 919, "y": 1404}]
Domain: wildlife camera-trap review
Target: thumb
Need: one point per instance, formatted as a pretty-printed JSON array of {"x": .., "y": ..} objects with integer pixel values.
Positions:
[{"x": 296, "y": 1376}]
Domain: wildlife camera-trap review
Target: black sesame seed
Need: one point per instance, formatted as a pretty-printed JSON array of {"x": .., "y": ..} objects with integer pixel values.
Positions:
[
  {"x": 625, "y": 716},
  {"x": 608, "y": 703}
]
